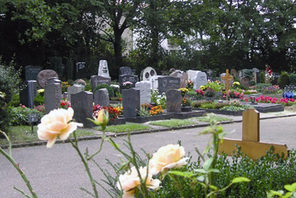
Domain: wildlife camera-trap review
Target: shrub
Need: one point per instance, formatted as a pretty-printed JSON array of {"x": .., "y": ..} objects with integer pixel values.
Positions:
[
  {"x": 39, "y": 99},
  {"x": 9, "y": 85},
  {"x": 197, "y": 104},
  {"x": 292, "y": 78},
  {"x": 283, "y": 80},
  {"x": 108, "y": 87},
  {"x": 19, "y": 115},
  {"x": 262, "y": 77},
  {"x": 209, "y": 105}
]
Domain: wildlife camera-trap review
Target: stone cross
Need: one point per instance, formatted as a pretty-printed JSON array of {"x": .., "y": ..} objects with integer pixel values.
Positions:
[
  {"x": 250, "y": 143},
  {"x": 227, "y": 77}
]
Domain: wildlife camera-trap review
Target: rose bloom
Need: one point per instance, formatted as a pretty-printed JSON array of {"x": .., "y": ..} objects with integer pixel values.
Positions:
[
  {"x": 129, "y": 181},
  {"x": 167, "y": 157},
  {"x": 57, "y": 123}
]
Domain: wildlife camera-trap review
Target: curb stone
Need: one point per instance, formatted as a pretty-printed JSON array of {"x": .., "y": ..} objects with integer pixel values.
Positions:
[{"x": 108, "y": 134}]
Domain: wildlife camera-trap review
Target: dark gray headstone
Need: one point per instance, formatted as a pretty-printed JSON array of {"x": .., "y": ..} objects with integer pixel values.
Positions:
[
  {"x": 130, "y": 102},
  {"x": 31, "y": 72},
  {"x": 101, "y": 97},
  {"x": 76, "y": 88},
  {"x": 125, "y": 71},
  {"x": 174, "y": 100},
  {"x": 81, "y": 70},
  {"x": 28, "y": 94},
  {"x": 53, "y": 80},
  {"x": 97, "y": 80},
  {"x": 125, "y": 78},
  {"x": 168, "y": 82},
  {"x": 52, "y": 96},
  {"x": 82, "y": 104}
]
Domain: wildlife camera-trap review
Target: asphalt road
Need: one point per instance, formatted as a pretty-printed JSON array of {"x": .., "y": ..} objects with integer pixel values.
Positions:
[{"x": 58, "y": 172}]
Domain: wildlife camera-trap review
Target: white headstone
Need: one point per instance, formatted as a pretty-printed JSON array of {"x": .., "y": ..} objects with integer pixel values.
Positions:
[
  {"x": 103, "y": 69},
  {"x": 192, "y": 74},
  {"x": 76, "y": 88},
  {"x": 199, "y": 80},
  {"x": 148, "y": 73},
  {"x": 145, "y": 91},
  {"x": 154, "y": 82}
]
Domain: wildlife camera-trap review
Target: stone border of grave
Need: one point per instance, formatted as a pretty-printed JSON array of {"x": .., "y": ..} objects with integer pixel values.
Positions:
[{"x": 223, "y": 112}]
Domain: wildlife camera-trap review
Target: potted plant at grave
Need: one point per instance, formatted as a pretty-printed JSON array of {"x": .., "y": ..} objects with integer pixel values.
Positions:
[{"x": 127, "y": 85}]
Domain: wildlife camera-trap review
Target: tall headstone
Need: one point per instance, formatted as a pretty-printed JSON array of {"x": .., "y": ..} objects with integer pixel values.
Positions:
[
  {"x": 199, "y": 80},
  {"x": 28, "y": 94},
  {"x": 168, "y": 82},
  {"x": 192, "y": 74},
  {"x": 31, "y": 72},
  {"x": 74, "y": 89},
  {"x": 103, "y": 69},
  {"x": 154, "y": 82},
  {"x": 256, "y": 74},
  {"x": 81, "y": 70},
  {"x": 174, "y": 100},
  {"x": 82, "y": 104},
  {"x": 53, "y": 80},
  {"x": 97, "y": 80},
  {"x": 182, "y": 75},
  {"x": 145, "y": 91},
  {"x": 125, "y": 71},
  {"x": 52, "y": 96},
  {"x": 234, "y": 73},
  {"x": 148, "y": 73},
  {"x": 101, "y": 97},
  {"x": 130, "y": 102},
  {"x": 44, "y": 75}
]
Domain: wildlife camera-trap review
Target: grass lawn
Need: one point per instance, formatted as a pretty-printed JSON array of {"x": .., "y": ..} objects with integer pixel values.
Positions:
[
  {"x": 218, "y": 118},
  {"x": 128, "y": 127},
  {"x": 173, "y": 123},
  {"x": 22, "y": 134}
]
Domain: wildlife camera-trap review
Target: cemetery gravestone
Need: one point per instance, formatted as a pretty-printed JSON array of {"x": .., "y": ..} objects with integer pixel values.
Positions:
[
  {"x": 31, "y": 72},
  {"x": 250, "y": 143},
  {"x": 101, "y": 97},
  {"x": 199, "y": 80},
  {"x": 154, "y": 82},
  {"x": 74, "y": 90},
  {"x": 28, "y": 94},
  {"x": 128, "y": 78},
  {"x": 245, "y": 82},
  {"x": 82, "y": 104},
  {"x": 97, "y": 80},
  {"x": 182, "y": 75},
  {"x": 81, "y": 70},
  {"x": 44, "y": 75},
  {"x": 234, "y": 73},
  {"x": 192, "y": 74},
  {"x": 52, "y": 96},
  {"x": 174, "y": 100},
  {"x": 148, "y": 73},
  {"x": 145, "y": 91},
  {"x": 53, "y": 80},
  {"x": 130, "y": 102},
  {"x": 103, "y": 69},
  {"x": 168, "y": 82},
  {"x": 125, "y": 71},
  {"x": 256, "y": 74}
]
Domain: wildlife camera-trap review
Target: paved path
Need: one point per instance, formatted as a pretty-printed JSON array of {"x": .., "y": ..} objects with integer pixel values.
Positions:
[{"x": 58, "y": 172}]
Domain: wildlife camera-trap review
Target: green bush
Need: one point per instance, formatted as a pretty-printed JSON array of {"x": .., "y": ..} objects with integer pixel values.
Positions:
[
  {"x": 108, "y": 87},
  {"x": 262, "y": 77},
  {"x": 15, "y": 100},
  {"x": 19, "y": 115},
  {"x": 292, "y": 78},
  {"x": 209, "y": 105},
  {"x": 39, "y": 99},
  {"x": 9, "y": 85},
  {"x": 283, "y": 80}
]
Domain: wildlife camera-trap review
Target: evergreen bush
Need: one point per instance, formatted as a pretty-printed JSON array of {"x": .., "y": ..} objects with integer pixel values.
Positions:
[
  {"x": 292, "y": 78},
  {"x": 283, "y": 80},
  {"x": 108, "y": 87}
]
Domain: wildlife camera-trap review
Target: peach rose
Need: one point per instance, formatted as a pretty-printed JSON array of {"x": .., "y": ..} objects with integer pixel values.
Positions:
[
  {"x": 57, "y": 123},
  {"x": 129, "y": 181},
  {"x": 167, "y": 157}
]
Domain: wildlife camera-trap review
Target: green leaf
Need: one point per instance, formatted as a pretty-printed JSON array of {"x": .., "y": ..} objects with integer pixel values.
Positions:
[
  {"x": 200, "y": 178},
  {"x": 240, "y": 179},
  {"x": 116, "y": 146},
  {"x": 291, "y": 187},
  {"x": 201, "y": 171},
  {"x": 287, "y": 195},
  {"x": 273, "y": 193},
  {"x": 208, "y": 163},
  {"x": 213, "y": 187},
  {"x": 183, "y": 174}
]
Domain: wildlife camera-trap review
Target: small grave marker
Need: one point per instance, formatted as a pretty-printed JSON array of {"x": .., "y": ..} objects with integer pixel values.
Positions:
[
  {"x": 250, "y": 143},
  {"x": 31, "y": 119},
  {"x": 227, "y": 77}
]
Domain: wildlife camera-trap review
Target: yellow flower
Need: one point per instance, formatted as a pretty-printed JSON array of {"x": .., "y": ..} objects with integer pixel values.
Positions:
[
  {"x": 101, "y": 119},
  {"x": 236, "y": 83},
  {"x": 40, "y": 90},
  {"x": 57, "y": 123},
  {"x": 202, "y": 87},
  {"x": 167, "y": 157},
  {"x": 130, "y": 180}
]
